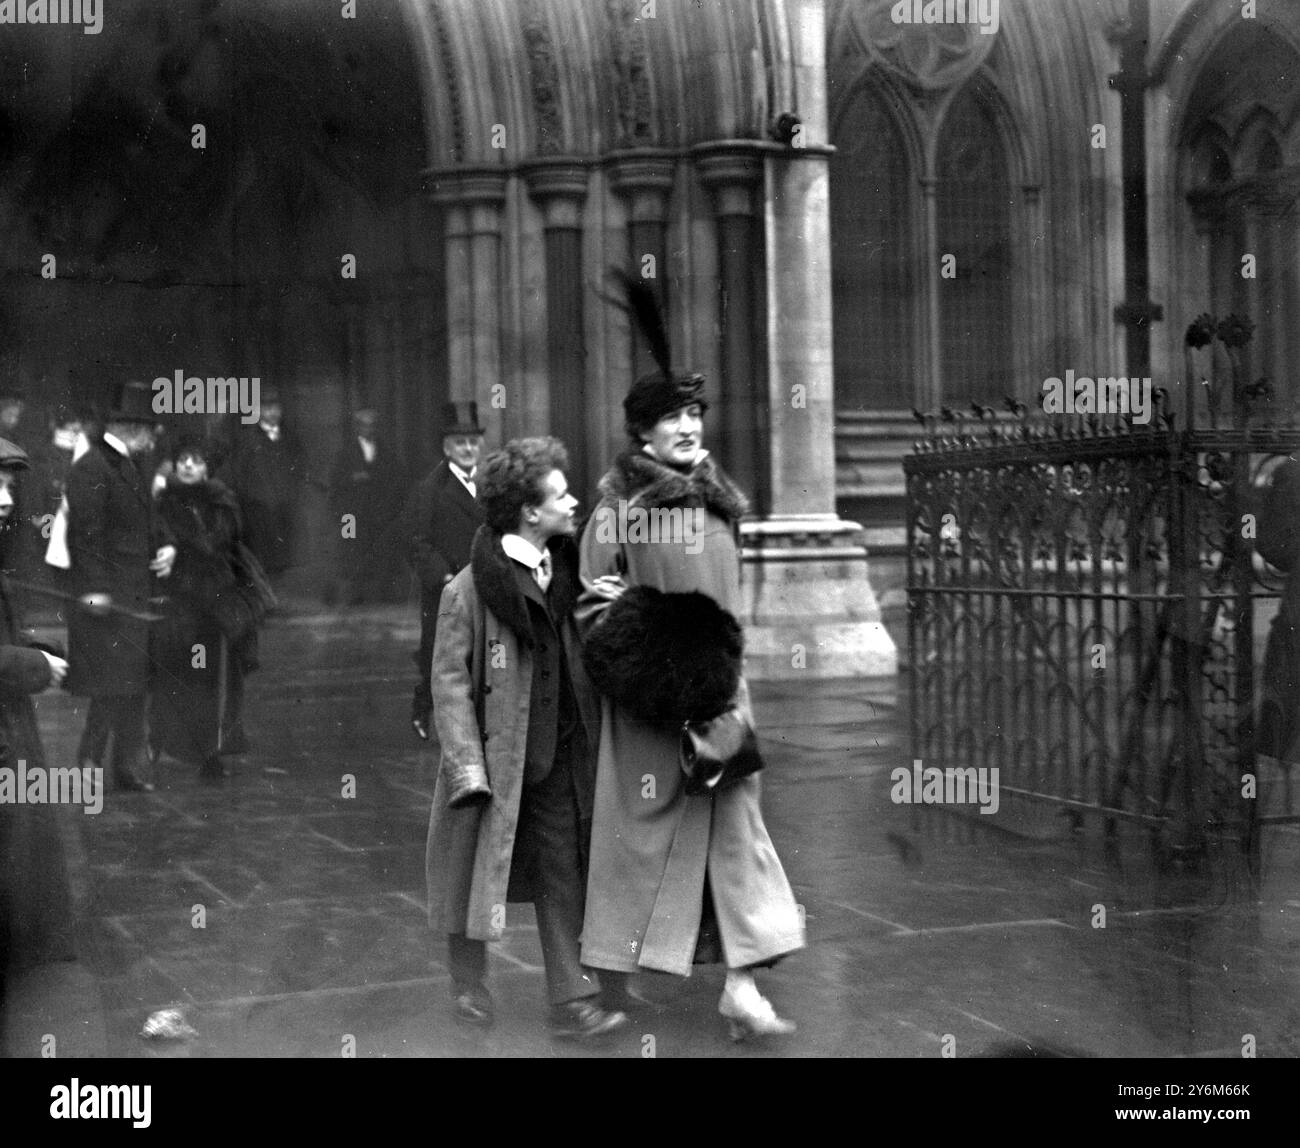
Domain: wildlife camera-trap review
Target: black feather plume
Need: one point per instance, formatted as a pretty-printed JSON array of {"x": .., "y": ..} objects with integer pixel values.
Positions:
[{"x": 638, "y": 299}]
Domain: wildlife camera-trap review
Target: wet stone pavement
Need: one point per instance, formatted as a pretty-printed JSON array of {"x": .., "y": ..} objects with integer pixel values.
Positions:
[{"x": 924, "y": 926}]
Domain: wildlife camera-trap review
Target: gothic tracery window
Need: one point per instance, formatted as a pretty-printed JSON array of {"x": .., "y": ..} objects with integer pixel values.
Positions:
[
  {"x": 974, "y": 209},
  {"x": 873, "y": 279}
]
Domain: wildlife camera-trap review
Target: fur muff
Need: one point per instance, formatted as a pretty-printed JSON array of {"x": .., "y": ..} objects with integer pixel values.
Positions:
[{"x": 666, "y": 657}]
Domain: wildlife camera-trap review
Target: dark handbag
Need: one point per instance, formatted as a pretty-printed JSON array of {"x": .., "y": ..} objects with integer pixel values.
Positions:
[
  {"x": 242, "y": 608},
  {"x": 251, "y": 576},
  {"x": 718, "y": 753}
]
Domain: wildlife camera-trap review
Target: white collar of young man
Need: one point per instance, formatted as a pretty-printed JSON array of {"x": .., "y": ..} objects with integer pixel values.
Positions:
[
  {"x": 521, "y": 550},
  {"x": 117, "y": 444}
]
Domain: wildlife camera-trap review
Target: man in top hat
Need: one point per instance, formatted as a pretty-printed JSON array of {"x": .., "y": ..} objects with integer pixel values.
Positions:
[
  {"x": 362, "y": 485},
  {"x": 117, "y": 548},
  {"x": 441, "y": 517}
]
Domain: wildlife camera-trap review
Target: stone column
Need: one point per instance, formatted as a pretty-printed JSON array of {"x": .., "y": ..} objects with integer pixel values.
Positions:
[
  {"x": 810, "y": 607},
  {"x": 471, "y": 201},
  {"x": 644, "y": 178},
  {"x": 733, "y": 173},
  {"x": 559, "y": 186}
]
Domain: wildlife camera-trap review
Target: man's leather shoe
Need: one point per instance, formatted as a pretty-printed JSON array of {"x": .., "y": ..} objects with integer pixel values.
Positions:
[
  {"x": 584, "y": 1020},
  {"x": 474, "y": 1006}
]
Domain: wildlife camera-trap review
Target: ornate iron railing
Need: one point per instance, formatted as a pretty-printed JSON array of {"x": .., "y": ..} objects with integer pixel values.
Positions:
[{"x": 1087, "y": 612}]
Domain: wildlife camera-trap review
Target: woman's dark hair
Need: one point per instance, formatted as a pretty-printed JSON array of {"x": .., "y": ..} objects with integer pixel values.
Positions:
[
  {"x": 192, "y": 445},
  {"x": 515, "y": 476}
]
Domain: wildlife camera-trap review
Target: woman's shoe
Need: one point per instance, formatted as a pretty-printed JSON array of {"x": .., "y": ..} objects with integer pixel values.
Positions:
[{"x": 749, "y": 1013}]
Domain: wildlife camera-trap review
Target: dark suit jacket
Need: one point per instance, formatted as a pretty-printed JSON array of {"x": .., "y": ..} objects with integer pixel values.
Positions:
[
  {"x": 112, "y": 537},
  {"x": 441, "y": 520},
  {"x": 366, "y": 489}
]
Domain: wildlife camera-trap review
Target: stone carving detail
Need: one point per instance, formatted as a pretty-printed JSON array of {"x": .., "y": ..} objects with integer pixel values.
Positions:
[
  {"x": 452, "y": 73},
  {"x": 631, "y": 75},
  {"x": 544, "y": 77},
  {"x": 927, "y": 56}
]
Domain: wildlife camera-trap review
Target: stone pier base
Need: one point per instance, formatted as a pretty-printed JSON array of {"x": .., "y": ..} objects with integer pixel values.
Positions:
[{"x": 809, "y": 609}]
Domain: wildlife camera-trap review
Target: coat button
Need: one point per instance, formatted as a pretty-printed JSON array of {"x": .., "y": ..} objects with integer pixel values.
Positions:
[
  {"x": 487, "y": 689},
  {"x": 546, "y": 673}
]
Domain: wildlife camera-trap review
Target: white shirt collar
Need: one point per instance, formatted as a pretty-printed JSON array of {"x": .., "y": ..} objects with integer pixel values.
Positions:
[
  {"x": 521, "y": 550},
  {"x": 463, "y": 475},
  {"x": 117, "y": 444}
]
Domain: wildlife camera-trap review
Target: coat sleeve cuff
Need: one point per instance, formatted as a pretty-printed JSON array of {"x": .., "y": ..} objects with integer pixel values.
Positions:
[{"x": 467, "y": 784}]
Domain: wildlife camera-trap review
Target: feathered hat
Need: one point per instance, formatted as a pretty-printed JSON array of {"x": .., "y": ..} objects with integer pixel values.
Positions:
[{"x": 663, "y": 391}]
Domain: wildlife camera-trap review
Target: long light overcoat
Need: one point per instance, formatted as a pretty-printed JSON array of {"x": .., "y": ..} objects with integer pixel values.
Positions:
[
  {"x": 482, "y": 687},
  {"x": 652, "y": 844}
]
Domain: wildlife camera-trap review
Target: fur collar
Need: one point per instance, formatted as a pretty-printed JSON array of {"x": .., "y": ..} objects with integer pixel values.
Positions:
[
  {"x": 494, "y": 579},
  {"x": 645, "y": 481},
  {"x": 210, "y": 491}
]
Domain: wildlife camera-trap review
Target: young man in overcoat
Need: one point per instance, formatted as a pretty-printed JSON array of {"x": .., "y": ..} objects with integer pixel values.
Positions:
[{"x": 517, "y": 721}]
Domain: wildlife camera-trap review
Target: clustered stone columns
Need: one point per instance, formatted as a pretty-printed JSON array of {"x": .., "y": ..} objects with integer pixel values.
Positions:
[
  {"x": 471, "y": 200},
  {"x": 809, "y": 606},
  {"x": 644, "y": 178},
  {"x": 559, "y": 187},
  {"x": 733, "y": 172}
]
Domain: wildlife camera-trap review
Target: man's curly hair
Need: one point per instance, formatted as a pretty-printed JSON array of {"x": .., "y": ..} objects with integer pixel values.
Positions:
[{"x": 515, "y": 476}]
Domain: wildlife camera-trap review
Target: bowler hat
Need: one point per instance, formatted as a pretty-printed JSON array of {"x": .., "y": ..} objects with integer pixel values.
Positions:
[
  {"x": 133, "y": 403},
  {"x": 12, "y": 456},
  {"x": 11, "y": 391},
  {"x": 460, "y": 418}
]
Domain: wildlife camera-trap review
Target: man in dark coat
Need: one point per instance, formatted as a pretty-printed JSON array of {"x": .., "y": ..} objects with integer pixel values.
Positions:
[
  {"x": 35, "y": 900},
  {"x": 117, "y": 550},
  {"x": 441, "y": 517},
  {"x": 517, "y": 721},
  {"x": 362, "y": 486},
  {"x": 266, "y": 470}
]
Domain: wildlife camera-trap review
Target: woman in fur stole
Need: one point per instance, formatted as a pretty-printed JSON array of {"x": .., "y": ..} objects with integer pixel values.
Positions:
[
  {"x": 675, "y": 878},
  {"x": 194, "y": 645}
]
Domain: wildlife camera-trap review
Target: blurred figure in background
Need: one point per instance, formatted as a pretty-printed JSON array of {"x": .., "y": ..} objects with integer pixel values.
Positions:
[
  {"x": 35, "y": 901},
  {"x": 441, "y": 517},
  {"x": 266, "y": 470},
  {"x": 117, "y": 549},
  {"x": 363, "y": 485}
]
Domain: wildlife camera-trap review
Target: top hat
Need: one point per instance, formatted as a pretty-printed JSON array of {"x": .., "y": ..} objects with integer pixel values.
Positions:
[
  {"x": 460, "y": 418},
  {"x": 133, "y": 403},
  {"x": 12, "y": 456},
  {"x": 12, "y": 391}
]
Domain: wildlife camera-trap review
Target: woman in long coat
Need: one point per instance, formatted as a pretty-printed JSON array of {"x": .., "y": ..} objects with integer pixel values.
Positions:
[
  {"x": 36, "y": 918},
  {"x": 669, "y": 870},
  {"x": 199, "y": 639}
]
